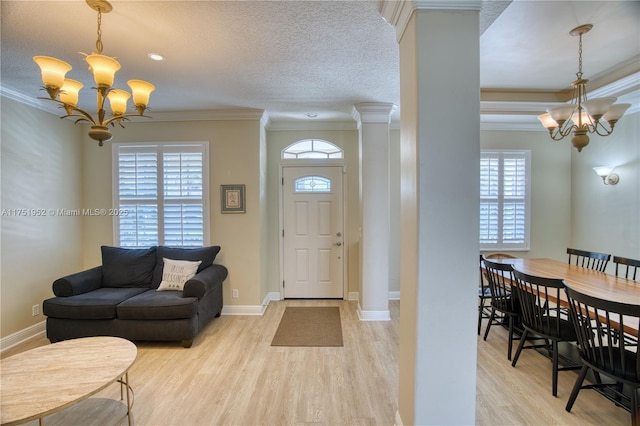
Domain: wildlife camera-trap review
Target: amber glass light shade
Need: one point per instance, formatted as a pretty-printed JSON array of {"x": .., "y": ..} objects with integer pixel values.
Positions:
[
  {"x": 53, "y": 70},
  {"x": 118, "y": 99},
  {"x": 69, "y": 91},
  {"x": 103, "y": 68},
  {"x": 141, "y": 91}
]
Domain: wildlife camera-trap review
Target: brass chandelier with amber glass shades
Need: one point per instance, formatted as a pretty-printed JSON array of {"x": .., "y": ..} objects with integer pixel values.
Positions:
[
  {"x": 582, "y": 116},
  {"x": 66, "y": 91}
]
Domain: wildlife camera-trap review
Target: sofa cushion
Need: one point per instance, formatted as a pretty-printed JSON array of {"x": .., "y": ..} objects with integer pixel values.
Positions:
[
  {"x": 204, "y": 254},
  {"x": 96, "y": 304},
  {"x": 122, "y": 267},
  {"x": 177, "y": 272},
  {"x": 158, "y": 305}
]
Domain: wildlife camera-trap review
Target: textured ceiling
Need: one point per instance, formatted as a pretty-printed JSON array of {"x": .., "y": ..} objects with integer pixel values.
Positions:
[{"x": 293, "y": 58}]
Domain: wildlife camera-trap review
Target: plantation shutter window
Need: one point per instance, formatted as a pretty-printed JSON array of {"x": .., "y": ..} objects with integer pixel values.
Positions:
[
  {"x": 504, "y": 200},
  {"x": 162, "y": 190}
]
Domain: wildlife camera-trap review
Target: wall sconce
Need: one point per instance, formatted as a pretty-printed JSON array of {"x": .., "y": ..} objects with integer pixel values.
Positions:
[{"x": 605, "y": 172}]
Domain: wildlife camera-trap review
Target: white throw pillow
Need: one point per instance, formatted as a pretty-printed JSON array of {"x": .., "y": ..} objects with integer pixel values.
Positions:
[{"x": 177, "y": 272}]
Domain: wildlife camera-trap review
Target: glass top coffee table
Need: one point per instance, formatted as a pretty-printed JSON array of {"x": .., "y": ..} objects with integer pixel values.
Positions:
[{"x": 47, "y": 379}]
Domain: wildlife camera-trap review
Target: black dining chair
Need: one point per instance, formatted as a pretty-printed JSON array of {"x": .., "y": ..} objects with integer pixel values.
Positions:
[
  {"x": 484, "y": 292},
  {"x": 598, "y": 324},
  {"x": 631, "y": 267},
  {"x": 589, "y": 259},
  {"x": 544, "y": 318},
  {"x": 504, "y": 303},
  {"x": 484, "y": 296}
]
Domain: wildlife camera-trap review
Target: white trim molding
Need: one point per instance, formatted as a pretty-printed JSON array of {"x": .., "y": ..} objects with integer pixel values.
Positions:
[
  {"x": 398, "y": 12},
  {"x": 243, "y": 310},
  {"x": 240, "y": 114},
  {"x": 373, "y": 315},
  {"x": 373, "y": 112},
  {"x": 251, "y": 309},
  {"x": 22, "y": 336}
]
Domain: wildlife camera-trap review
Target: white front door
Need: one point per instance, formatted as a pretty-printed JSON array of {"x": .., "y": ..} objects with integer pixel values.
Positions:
[{"x": 313, "y": 232}]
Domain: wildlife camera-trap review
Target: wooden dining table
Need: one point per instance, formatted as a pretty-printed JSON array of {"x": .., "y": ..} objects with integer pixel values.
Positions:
[{"x": 587, "y": 281}]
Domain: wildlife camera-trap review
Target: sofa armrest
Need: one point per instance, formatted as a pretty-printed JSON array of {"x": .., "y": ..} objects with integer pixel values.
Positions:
[
  {"x": 205, "y": 281},
  {"x": 78, "y": 283}
]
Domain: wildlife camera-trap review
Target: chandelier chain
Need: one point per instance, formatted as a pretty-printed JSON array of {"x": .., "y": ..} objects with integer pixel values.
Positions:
[
  {"x": 99, "y": 41},
  {"x": 579, "y": 73}
]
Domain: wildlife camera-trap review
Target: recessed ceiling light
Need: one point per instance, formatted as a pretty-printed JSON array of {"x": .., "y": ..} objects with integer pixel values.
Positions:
[
  {"x": 155, "y": 57},
  {"x": 311, "y": 115}
]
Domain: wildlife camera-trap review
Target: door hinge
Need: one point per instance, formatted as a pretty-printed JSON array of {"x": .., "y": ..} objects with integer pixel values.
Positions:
[
  {"x": 282, "y": 181},
  {"x": 283, "y": 232},
  {"x": 282, "y": 283}
]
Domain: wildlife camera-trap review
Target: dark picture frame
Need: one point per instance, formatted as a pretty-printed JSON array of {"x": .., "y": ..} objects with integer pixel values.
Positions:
[{"x": 232, "y": 198}]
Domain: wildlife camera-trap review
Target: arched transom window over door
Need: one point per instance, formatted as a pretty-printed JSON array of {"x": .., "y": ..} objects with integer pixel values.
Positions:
[{"x": 312, "y": 148}]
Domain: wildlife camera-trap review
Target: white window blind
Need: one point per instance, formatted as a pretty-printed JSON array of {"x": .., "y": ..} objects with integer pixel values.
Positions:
[
  {"x": 504, "y": 200},
  {"x": 162, "y": 189}
]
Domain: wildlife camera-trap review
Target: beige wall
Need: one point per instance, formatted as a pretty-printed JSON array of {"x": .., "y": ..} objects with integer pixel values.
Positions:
[
  {"x": 50, "y": 163},
  {"x": 607, "y": 218},
  {"x": 40, "y": 169},
  {"x": 235, "y": 157},
  {"x": 348, "y": 141},
  {"x": 550, "y": 188}
]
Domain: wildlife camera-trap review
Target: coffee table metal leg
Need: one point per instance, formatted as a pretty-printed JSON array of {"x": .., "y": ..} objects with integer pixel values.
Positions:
[{"x": 124, "y": 383}]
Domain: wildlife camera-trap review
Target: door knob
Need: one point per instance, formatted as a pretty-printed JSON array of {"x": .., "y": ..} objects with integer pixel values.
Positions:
[{"x": 339, "y": 243}]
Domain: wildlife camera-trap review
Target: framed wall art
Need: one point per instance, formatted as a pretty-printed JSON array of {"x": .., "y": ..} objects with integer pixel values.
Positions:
[{"x": 232, "y": 199}]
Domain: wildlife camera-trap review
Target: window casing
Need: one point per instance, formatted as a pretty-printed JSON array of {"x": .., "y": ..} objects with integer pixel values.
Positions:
[
  {"x": 162, "y": 191},
  {"x": 505, "y": 199}
]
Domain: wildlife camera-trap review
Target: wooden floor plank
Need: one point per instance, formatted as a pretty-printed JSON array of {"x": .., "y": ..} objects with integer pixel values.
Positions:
[{"x": 232, "y": 376}]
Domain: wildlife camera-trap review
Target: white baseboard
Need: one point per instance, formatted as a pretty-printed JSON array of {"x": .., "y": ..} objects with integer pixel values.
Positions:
[
  {"x": 22, "y": 336},
  {"x": 243, "y": 310},
  {"x": 373, "y": 315},
  {"x": 394, "y": 295},
  {"x": 251, "y": 309},
  {"x": 353, "y": 295},
  {"x": 274, "y": 295}
]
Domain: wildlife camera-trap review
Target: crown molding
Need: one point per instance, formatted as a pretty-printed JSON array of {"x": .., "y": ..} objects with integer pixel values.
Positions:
[
  {"x": 41, "y": 104},
  {"x": 372, "y": 112},
  {"x": 501, "y": 110},
  {"x": 619, "y": 87},
  {"x": 514, "y": 123},
  {"x": 311, "y": 125},
  {"x": 398, "y": 12},
  {"x": 511, "y": 107},
  {"x": 241, "y": 114}
]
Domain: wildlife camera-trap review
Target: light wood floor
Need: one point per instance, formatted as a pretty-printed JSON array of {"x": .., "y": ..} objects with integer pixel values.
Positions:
[{"x": 232, "y": 376}]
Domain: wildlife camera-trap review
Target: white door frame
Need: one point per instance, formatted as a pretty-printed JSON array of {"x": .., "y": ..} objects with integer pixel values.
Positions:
[{"x": 302, "y": 164}]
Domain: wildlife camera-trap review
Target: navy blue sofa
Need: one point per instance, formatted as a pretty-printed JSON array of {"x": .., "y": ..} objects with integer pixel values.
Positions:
[{"x": 120, "y": 297}]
